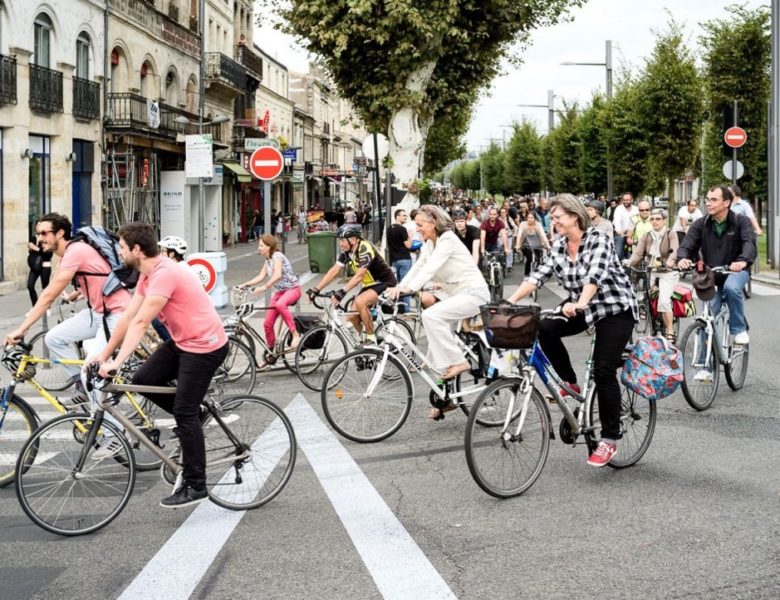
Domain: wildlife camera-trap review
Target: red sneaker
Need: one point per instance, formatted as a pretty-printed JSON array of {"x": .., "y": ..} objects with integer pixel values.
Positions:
[
  {"x": 574, "y": 387},
  {"x": 602, "y": 455}
]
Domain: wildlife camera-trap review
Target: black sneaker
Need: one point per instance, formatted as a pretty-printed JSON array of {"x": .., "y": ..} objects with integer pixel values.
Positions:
[{"x": 184, "y": 496}]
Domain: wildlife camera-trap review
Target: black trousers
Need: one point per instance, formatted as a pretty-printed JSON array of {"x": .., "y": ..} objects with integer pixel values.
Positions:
[
  {"x": 32, "y": 277},
  {"x": 528, "y": 256},
  {"x": 612, "y": 334},
  {"x": 193, "y": 373}
]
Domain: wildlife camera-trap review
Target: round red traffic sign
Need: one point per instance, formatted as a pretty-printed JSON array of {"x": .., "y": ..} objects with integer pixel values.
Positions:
[
  {"x": 735, "y": 137},
  {"x": 266, "y": 163},
  {"x": 205, "y": 272}
]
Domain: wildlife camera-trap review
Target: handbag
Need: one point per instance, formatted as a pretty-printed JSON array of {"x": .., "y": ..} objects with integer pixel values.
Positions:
[
  {"x": 653, "y": 369},
  {"x": 509, "y": 326}
]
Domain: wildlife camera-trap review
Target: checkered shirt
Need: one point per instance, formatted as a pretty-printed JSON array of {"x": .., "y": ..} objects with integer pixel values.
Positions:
[{"x": 596, "y": 263}]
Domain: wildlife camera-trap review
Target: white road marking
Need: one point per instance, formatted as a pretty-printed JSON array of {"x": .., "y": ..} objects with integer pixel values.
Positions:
[
  {"x": 177, "y": 568},
  {"x": 398, "y": 566}
]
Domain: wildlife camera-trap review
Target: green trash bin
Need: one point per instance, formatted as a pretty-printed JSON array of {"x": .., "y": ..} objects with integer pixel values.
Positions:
[{"x": 322, "y": 250}]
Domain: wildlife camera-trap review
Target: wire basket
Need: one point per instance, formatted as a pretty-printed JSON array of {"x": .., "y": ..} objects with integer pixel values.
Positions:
[{"x": 239, "y": 296}]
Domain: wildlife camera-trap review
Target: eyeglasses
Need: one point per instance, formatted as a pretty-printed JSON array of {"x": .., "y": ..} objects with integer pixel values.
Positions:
[
  {"x": 43, "y": 233},
  {"x": 711, "y": 200},
  {"x": 656, "y": 218},
  {"x": 644, "y": 210}
]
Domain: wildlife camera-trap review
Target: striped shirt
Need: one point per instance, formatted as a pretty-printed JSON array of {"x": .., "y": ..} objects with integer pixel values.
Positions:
[{"x": 596, "y": 263}]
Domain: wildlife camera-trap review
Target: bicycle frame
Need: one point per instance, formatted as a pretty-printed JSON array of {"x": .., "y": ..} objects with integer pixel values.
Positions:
[{"x": 712, "y": 324}]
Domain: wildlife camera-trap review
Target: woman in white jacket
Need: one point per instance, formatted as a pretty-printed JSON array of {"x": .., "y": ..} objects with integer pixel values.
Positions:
[{"x": 445, "y": 260}]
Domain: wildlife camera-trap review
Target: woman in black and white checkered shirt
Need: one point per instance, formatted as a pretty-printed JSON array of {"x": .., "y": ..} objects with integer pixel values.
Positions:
[{"x": 600, "y": 295}]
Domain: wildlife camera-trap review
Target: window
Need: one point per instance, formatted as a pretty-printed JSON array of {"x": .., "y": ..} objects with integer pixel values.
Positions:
[
  {"x": 42, "y": 42},
  {"x": 82, "y": 56}
]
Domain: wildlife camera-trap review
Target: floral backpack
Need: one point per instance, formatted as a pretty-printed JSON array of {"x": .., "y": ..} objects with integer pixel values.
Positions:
[{"x": 653, "y": 369}]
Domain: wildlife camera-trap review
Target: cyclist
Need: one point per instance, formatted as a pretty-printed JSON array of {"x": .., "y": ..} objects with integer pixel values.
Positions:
[
  {"x": 197, "y": 348},
  {"x": 287, "y": 291},
  {"x": 724, "y": 238},
  {"x": 640, "y": 225},
  {"x": 531, "y": 241},
  {"x": 78, "y": 263},
  {"x": 175, "y": 248},
  {"x": 444, "y": 259},
  {"x": 370, "y": 269},
  {"x": 743, "y": 208},
  {"x": 658, "y": 248},
  {"x": 600, "y": 295},
  {"x": 595, "y": 212},
  {"x": 492, "y": 231},
  {"x": 468, "y": 234}
]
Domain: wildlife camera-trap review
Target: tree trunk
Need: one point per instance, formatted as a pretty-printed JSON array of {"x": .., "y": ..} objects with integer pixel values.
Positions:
[{"x": 672, "y": 209}]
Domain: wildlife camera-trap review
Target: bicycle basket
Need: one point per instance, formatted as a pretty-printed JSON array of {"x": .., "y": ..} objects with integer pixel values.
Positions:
[
  {"x": 305, "y": 322},
  {"x": 238, "y": 296},
  {"x": 510, "y": 327}
]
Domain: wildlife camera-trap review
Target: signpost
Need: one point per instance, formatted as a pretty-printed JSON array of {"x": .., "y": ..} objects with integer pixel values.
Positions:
[
  {"x": 267, "y": 163},
  {"x": 730, "y": 173}
]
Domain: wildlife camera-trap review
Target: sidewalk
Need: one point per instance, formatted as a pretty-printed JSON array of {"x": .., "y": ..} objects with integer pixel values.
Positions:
[{"x": 768, "y": 277}]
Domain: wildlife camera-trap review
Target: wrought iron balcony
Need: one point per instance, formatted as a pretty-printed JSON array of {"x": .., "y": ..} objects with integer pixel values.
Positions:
[
  {"x": 86, "y": 99},
  {"x": 130, "y": 113},
  {"x": 45, "y": 89},
  {"x": 250, "y": 60},
  {"x": 7, "y": 79},
  {"x": 225, "y": 73}
]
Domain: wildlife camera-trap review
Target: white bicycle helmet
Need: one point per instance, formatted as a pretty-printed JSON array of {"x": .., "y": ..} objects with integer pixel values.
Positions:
[{"x": 175, "y": 243}]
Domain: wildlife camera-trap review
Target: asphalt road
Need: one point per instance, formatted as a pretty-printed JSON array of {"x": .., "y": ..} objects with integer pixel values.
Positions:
[{"x": 696, "y": 518}]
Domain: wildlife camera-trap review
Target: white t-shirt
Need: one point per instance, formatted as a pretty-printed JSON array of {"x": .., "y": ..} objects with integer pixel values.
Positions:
[
  {"x": 622, "y": 218},
  {"x": 743, "y": 208},
  {"x": 689, "y": 217}
]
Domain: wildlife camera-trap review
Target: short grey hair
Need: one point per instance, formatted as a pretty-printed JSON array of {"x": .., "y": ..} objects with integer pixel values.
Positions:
[
  {"x": 570, "y": 205},
  {"x": 438, "y": 216},
  {"x": 659, "y": 211}
]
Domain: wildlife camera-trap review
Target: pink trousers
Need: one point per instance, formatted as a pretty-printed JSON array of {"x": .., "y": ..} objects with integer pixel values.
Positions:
[{"x": 281, "y": 302}]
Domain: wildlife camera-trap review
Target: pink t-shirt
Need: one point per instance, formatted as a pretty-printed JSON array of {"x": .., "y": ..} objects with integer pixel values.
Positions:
[
  {"x": 190, "y": 316},
  {"x": 80, "y": 256}
]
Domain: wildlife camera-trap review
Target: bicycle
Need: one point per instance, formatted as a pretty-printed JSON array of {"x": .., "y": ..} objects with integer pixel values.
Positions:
[
  {"x": 367, "y": 394},
  {"x": 493, "y": 269},
  {"x": 18, "y": 418},
  {"x": 650, "y": 319},
  {"x": 507, "y": 458},
  {"x": 537, "y": 257},
  {"x": 324, "y": 344},
  {"x": 706, "y": 345},
  {"x": 61, "y": 486}
]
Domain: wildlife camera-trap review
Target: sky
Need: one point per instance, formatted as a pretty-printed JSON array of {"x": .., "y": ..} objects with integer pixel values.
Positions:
[{"x": 630, "y": 24}]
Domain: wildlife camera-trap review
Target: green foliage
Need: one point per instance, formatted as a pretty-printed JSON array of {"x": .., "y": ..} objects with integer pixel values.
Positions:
[
  {"x": 445, "y": 142},
  {"x": 522, "y": 161},
  {"x": 737, "y": 61},
  {"x": 424, "y": 193},
  {"x": 546, "y": 171},
  {"x": 493, "y": 169},
  {"x": 565, "y": 149},
  {"x": 671, "y": 108},
  {"x": 465, "y": 175},
  {"x": 593, "y": 150},
  {"x": 370, "y": 47}
]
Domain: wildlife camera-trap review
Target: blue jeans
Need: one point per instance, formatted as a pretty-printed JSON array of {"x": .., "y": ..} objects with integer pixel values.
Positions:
[
  {"x": 620, "y": 246},
  {"x": 257, "y": 231},
  {"x": 402, "y": 268},
  {"x": 735, "y": 299}
]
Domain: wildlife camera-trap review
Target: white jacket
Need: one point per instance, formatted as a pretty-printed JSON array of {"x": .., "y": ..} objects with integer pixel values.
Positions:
[{"x": 446, "y": 262}]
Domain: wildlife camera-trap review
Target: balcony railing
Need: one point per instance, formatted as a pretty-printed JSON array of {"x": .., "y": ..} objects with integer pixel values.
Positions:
[
  {"x": 86, "y": 99},
  {"x": 7, "y": 79},
  {"x": 225, "y": 70},
  {"x": 250, "y": 60},
  {"x": 130, "y": 112},
  {"x": 45, "y": 89}
]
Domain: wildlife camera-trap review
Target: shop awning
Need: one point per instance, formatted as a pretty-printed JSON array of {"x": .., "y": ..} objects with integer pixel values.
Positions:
[{"x": 240, "y": 172}]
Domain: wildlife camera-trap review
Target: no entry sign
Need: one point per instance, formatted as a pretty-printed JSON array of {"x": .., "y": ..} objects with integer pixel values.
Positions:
[
  {"x": 735, "y": 137},
  {"x": 266, "y": 163}
]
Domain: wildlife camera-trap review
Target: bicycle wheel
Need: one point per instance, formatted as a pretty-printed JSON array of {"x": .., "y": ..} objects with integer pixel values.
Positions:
[
  {"x": 736, "y": 369},
  {"x": 748, "y": 289},
  {"x": 52, "y": 377},
  {"x": 637, "y": 425},
  {"x": 644, "y": 324},
  {"x": 312, "y": 364},
  {"x": 237, "y": 373},
  {"x": 151, "y": 427},
  {"x": 700, "y": 367},
  {"x": 358, "y": 415},
  {"x": 401, "y": 328},
  {"x": 17, "y": 423},
  {"x": 62, "y": 497},
  {"x": 502, "y": 462},
  {"x": 248, "y": 475}
]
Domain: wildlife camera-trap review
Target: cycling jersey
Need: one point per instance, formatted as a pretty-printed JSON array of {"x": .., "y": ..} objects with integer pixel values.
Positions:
[{"x": 368, "y": 257}]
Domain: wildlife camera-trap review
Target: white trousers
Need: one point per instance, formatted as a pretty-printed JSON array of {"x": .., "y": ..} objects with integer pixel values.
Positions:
[
  {"x": 84, "y": 325},
  {"x": 666, "y": 283},
  {"x": 441, "y": 321}
]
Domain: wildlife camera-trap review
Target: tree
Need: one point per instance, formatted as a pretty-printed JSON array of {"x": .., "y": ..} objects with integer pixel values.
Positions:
[
  {"x": 593, "y": 150},
  {"x": 737, "y": 60},
  {"x": 522, "y": 160},
  {"x": 493, "y": 169},
  {"x": 565, "y": 148},
  {"x": 545, "y": 172},
  {"x": 671, "y": 108},
  {"x": 404, "y": 64}
]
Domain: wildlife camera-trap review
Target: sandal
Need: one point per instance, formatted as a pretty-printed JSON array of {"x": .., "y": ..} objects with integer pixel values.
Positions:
[
  {"x": 437, "y": 414},
  {"x": 671, "y": 338}
]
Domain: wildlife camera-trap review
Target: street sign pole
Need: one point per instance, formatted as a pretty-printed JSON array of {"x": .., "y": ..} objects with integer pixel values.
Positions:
[
  {"x": 734, "y": 150},
  {"x": 267, "y": 222}
]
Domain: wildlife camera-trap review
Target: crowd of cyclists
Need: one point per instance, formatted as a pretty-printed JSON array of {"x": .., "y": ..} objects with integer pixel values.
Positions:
[{"x": 437, "y": 249}]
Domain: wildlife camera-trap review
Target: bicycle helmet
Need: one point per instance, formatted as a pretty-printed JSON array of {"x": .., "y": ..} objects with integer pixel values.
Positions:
[
  {"x": 350, "y": 230},
  {"x": 458, "y": 214},
  {"x": 175, "y": 243}
]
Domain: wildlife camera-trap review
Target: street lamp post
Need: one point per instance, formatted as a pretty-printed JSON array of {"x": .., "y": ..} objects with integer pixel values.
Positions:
[
  {"x": 608, "y": 65},
  {"x": 550, "y": 106}
]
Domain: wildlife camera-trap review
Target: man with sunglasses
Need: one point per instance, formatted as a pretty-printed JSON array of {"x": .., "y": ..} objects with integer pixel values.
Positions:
[
  {"x": 80, "y": 261},
  {"x": 640, "y": 225}
]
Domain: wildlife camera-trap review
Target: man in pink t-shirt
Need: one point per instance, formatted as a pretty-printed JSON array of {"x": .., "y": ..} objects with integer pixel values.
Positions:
[
  {"x": 54, "y": 232},
  {"x": 197, "y": 347}
]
